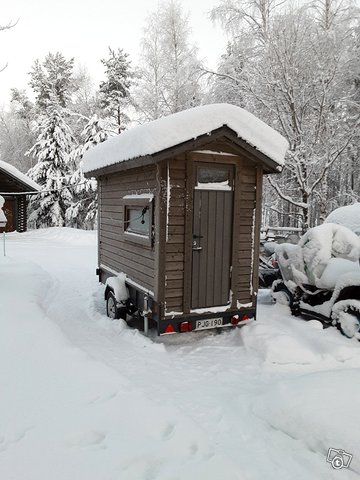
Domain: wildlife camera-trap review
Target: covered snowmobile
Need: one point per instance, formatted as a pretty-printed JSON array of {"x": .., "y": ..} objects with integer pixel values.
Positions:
[{"x": 321, "y": 277}]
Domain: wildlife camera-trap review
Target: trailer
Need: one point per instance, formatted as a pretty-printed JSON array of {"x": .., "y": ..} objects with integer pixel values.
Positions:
[{"x": 179, "y": 216}]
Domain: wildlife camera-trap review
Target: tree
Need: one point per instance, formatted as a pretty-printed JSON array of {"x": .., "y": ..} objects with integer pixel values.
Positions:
[
  {"x": 52, "y": 80},
  {"x": 115, "y": 90},
  {"x": 82, "y": 213},
  {"x": 52, "y": 170},
  {"x": 3, "y": 28},
  {"x": 294, "y": 77},
  {"x": 170, "y": 71}
]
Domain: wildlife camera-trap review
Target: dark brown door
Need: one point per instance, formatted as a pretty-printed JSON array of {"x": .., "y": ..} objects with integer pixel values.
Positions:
[
  {"x": 212, "y": 236},
  {"x": 8, "y": 209}
]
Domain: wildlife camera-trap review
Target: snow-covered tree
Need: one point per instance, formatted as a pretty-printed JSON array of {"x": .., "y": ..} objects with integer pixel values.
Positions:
[
  {"x": 170, "y": 70},
  {"x": 82, "y": 213},
  {"x": 16, "y": 138},
  {"x": 294, "y": 75},
  {"x": 115, "y": 90},
  {"x": 52, "y": 170},
  {"x": 52, "y": 80}
]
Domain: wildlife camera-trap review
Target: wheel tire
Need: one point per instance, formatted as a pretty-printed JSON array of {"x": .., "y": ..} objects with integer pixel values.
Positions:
[
  {"x": 283, "y": 296},
  {"x": 112, "y": 310},
  {"x": 348, "y": 321}
]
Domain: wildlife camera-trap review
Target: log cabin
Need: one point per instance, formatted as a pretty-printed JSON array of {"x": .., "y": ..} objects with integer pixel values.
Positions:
[{"x": 14, "y": 188}]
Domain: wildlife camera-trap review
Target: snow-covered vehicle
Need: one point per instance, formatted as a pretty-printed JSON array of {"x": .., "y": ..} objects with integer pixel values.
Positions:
[{"x": 321, "y": 277}]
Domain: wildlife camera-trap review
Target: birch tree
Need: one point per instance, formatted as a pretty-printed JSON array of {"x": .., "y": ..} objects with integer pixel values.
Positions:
[
  {"x": 294, "y": 77},
  {"x": 170, "y": 70}
]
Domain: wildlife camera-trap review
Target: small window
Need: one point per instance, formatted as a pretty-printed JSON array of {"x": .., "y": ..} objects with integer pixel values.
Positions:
[
  {"x": 211, "y": 177},
  {"x": 137, "y": 220}
]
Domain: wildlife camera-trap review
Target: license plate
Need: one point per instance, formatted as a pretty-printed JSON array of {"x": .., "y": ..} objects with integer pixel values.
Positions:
[{"x": 208, "y": 323}]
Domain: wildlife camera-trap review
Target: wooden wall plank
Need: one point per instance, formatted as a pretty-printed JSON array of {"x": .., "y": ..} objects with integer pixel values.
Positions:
[{"x": 115, "y": 250}]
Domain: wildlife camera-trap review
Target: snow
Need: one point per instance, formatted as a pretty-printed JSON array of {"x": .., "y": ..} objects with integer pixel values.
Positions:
[
  {"x": 139, "y": 196},
  {"x": 321, "y": 418},
  {"x": 219, "y": 308},
  {"x": 320, "y": 244},
  {"x": 119, "y": 287},
  {"x": 180, "y": 127},
  {"x": 87, "y": 398},
  {"x": 348, "y": 216},
  {"x": 224, "y": 186},
  {"x": 14, "y": 172},
  {"x": 334, "y": 269},
  {"x": 323, "y": 254}
]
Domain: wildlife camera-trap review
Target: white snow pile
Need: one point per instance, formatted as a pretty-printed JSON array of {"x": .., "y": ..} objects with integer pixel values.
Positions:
[
  {"x": 181, "y": 127},
  {"x": 323, "y": 254},
  {"x": 14, "y": 172},
  {"x": 320, "y": 244},
  {"x": 317, "y": 410},
  {"x": 348, "y": 216},
  {"x": 119, "y": 287},
  {"x": 84, "y": 397}
]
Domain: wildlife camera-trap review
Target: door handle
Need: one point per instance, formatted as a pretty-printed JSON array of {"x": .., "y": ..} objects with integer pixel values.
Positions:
[{"x": 196, "y": 249}]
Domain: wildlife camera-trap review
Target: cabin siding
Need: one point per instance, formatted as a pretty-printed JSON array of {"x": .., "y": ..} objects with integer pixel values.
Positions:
[
  {"x": 116, "y": 250},
  {"x": 244, "y": 228},
  {"x": 175, "y": 234},
  {"x": 179, "y": 230}
]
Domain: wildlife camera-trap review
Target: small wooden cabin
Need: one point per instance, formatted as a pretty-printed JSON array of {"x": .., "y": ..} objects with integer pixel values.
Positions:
[
  {"x": 179, "y": 213},
  {"x": 14, "y": 187}
]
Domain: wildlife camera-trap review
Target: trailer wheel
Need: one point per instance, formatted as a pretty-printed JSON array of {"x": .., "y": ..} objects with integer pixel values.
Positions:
[
  {"x": 348, "y": 322},
  {"x": 112, "y": 310}
]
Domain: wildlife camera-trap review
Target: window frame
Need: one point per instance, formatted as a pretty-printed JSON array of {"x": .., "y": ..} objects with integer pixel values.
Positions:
[
  {"x": 138, "y": 203},
  {"x": 214, "y": 166}
]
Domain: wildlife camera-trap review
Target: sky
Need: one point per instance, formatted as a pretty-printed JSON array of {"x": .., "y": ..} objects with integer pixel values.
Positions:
[{"x": 84, "y": 29}]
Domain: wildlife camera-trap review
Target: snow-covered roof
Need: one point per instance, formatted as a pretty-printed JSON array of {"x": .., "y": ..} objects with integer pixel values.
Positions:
[
  {"x": 348, "y": 216},
  {"x": 175, "y": 129},
  {"x": 21, "y": 177}
]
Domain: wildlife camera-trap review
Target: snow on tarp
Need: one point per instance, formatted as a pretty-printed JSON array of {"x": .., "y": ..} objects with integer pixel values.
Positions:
[
  {"x": 320, "y": 244},
  {"x": 348, "y": 216},
  {"x": 183, "y": 126},
  {"x": 323, "y": 254},
  {"x": 14, "y": 172}
]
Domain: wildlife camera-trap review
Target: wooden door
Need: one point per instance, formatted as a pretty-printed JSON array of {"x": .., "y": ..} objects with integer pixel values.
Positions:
[
  {"x": 8, "y": 209},
  {"x": 212, "y": 236}
]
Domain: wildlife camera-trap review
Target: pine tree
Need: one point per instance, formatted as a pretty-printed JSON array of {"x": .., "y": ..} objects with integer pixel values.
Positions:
[
  {"x": 52, "y": 80},
  {"x": 52, "y": 170},
  {"x": 82, "y": 213},
  {"x": 115, "y": 90}
]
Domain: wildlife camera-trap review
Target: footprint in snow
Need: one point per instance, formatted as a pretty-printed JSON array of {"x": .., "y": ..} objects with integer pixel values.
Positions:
[
  {"x": 85, "y": 439},
  {"x": 168, "y": 431}
]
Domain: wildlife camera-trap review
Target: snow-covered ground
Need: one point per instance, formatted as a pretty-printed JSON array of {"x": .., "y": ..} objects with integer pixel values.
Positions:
[{"x": 86, "y": 398}]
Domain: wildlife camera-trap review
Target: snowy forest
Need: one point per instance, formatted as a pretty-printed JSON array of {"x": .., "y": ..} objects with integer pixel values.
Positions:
[{"x": 297, "y": 67}]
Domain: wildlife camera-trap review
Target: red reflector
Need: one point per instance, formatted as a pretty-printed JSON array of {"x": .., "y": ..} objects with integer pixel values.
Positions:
[
  {"x": 169, "y": 329},
  {"x": 185, "y": 327},
  {"x": 234, "y": 319},
  {"x": 244, "y": 317}
]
